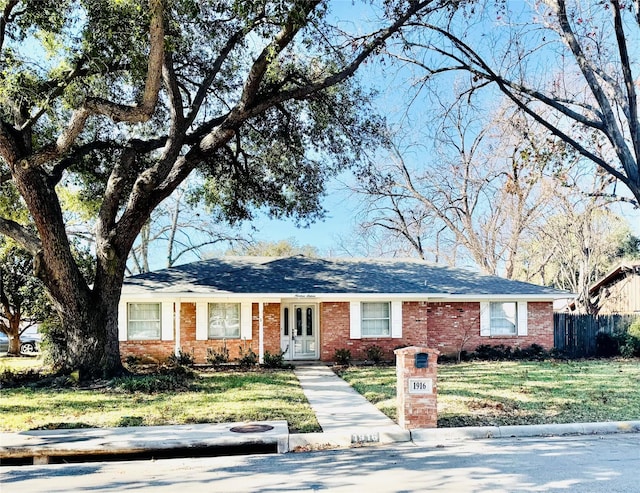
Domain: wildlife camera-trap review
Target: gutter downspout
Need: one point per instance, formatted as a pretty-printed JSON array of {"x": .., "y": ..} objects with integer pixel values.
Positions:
[
  {"x": 261, "y": 332},
  {"x": 177, "y": 307}
]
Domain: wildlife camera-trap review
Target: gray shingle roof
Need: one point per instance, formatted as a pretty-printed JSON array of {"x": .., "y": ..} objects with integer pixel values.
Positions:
[{"x": 299, "y": 274}]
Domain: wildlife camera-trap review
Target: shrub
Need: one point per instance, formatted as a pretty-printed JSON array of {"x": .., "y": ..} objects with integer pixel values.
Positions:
[
  {"x": 630, "y": 341},
  {"x": 374, "y": 353},
  {"x": 10, "y": 378},
  {"x": 502, "y": 353},
  {"x": 607, "y": 345},
  {"x": 634, "y": 329},
  {"x": 342, "y": 356},
  {"x": 176, "y": 378},
  {"x": 180, "y": 359},
  {"x": 218, "y": 356},
  {"x": 533, "y": 352},
  {"x": 132, "y": 360},
  {"x": 628, "y": 350},
  {"x": 493, "y": 353},
  {"x": 247, "y": 357},
  {"x": 274, "y": 360}
]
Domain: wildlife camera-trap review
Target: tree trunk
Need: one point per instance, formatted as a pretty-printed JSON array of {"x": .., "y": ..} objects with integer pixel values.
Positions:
[
  {"x": 13, "y": 334},
  {"x": 88, "y": 339}
]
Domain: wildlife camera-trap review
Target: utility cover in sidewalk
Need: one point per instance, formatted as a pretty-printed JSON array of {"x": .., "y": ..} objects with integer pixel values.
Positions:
[{"x": 252, "y": 428}]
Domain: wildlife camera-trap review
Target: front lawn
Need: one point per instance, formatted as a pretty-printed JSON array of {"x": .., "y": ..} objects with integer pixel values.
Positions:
[
  {"x": 513, "y": 393},
  {"x": 216, "y": 397}
]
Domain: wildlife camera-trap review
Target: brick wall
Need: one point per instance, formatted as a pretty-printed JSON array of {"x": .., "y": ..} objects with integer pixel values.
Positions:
[
  {"x": 334, "y": 334},
  {"x": 148, "y": 351},
  {"x": 161, "y": 350},
  {"x": 271, "y": 317},
  {"x": 442, "y": 326},
  {"x": 451, "y": 324}
]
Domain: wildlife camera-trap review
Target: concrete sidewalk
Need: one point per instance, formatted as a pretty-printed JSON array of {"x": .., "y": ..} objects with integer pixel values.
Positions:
[
  {"x": 43, "y": 446},
  {"x": 345, "y": 416}
]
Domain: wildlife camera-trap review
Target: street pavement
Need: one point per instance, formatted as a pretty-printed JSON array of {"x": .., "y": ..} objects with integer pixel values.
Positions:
[{"x": 584, "y": 464}]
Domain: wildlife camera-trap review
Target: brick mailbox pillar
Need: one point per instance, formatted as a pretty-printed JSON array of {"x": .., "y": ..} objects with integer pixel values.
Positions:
[{"x": 417, "y": 390}]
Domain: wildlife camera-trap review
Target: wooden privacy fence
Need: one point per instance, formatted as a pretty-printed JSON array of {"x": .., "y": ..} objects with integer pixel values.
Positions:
[{"x": 575, "y": 335}]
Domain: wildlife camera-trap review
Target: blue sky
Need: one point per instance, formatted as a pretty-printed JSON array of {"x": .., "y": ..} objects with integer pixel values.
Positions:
[
  {"x": 339, "y": 221},
  {"x": 341, "y": 208}
]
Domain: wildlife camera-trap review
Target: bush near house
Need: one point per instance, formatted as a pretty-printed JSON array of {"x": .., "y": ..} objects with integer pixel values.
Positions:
[
  {"x": 181, "y": 359},
  {"x": 218, "y": 357},
  {"x": 625, "y": 343},
  {"x": 486, "y": 352},
  {"x": 375, "y": 354},
  {"x": 630, "y": 345},
  {"x": 275, "y": 360},
  {"x": 342, "y": 356}
]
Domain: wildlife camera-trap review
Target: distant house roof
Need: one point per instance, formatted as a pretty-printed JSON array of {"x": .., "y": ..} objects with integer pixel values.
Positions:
[
  {"x": 614, "y": 275},
  {"x": 317, "y": 276}
]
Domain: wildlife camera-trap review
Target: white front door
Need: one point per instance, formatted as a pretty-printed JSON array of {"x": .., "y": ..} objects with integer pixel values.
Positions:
[{"x": 299, "y": 336}]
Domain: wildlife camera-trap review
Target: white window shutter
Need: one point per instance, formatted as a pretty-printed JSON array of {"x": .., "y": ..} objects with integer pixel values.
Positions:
[
  {"x": 485, "y": 318},
  {"x": 167, "y": 321},
  {"x": 522, "y": 318},
  {"x": 355, "y": 320},
  {"x": 202, "y": 321},
  {"x": 396, "y": 319},
  {"x": 246, "y": 321},
  {"x": 122, "y": 321}
]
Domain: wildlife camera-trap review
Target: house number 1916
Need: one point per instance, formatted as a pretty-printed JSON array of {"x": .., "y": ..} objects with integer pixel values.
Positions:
[{"x": 420, "y": 386}]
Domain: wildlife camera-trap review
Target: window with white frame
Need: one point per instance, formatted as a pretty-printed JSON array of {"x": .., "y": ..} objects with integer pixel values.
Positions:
[
  {"x": 376, "y": 319},
  {"x": 504, "y": 318},
  {"x": 224, "y": 321},
  {"x": 144, "y": 321}
]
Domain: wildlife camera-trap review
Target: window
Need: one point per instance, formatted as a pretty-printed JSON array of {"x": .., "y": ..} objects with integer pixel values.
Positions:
[
  {"x": 143, "y": 321},
  {"x": 504, "y": 318},
  {"x": 224, "y": 320},
  {"x": 375, "y": 319}
]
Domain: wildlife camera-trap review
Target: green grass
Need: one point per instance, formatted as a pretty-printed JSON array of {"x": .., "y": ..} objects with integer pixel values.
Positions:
[
  {"x": 20, "y": 363},
  {"x": 213, "y": 398},
  {"x": 510, "y": 393}
]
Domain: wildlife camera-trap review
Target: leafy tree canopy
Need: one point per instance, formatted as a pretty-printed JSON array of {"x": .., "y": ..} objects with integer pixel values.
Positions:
[{"x": 118, "y": 101}]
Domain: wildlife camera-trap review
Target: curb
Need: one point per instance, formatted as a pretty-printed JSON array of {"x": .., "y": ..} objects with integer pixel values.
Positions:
[
  {"x": 359, "y": 437},
  {"x": 350, "y": 437},
  {"x": 43, "y": 445},
  {"x": 515, "y": 431}
]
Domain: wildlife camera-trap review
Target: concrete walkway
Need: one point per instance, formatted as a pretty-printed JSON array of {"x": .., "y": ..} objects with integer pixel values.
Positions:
[
  {"x": 336, "y": 404},
  {"x": 345, "y": 416}
]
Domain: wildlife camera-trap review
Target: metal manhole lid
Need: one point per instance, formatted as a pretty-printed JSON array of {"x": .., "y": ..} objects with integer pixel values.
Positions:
[{"x": 252, "y": 428}]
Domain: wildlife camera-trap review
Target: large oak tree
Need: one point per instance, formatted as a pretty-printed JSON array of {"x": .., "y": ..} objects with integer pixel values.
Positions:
[{"x": 123, "y": 99}]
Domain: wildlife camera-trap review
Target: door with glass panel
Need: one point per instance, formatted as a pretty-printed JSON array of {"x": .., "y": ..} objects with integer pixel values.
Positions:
[{"x": 300, "y": 332}]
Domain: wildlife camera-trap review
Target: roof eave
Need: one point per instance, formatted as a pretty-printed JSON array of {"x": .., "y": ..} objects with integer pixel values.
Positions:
[{"x": 341, "y": 296}]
